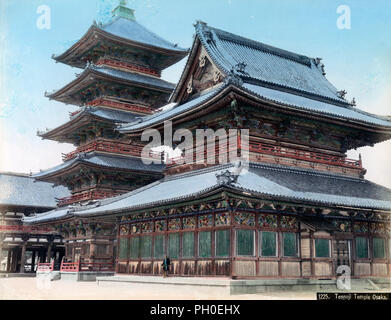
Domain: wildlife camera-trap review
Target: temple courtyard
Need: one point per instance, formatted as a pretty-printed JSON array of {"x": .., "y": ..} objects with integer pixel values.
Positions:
[{"x": 33, "y": 289}]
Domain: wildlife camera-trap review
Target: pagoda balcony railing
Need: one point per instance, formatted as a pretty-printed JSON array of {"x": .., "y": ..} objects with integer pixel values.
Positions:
[
  {"x": 26, "y": 229},
  {"x": 120, "y": 105},
  {"x": 85, "y": 196},
  {"x": 269, "y": 149},
  {"x": 127, "y": 66},
  {"x": 104, "y": 145}
]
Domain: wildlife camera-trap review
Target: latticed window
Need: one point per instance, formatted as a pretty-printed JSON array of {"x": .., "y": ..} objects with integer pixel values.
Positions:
[
  {"x": 146, "y": 246},
  {"x": 123, "y": 248},
  {"x": 361, "y": 247},
  {"x": 173, "y": 245},
  {"x": 322, "y": 248},
  {"x": 205, "y": 244},
  {"x": 245, "y": 242},
  {"x": 289, "y": 244},
  {"x": 379, "y": 248},
  {"x": 268, "y": 244},
  {"x": 134, "y": 247},
  {"x": 188, "y": 244},
  {"x": 158, "y": 247},
  {"x": 223, "y": 241}
]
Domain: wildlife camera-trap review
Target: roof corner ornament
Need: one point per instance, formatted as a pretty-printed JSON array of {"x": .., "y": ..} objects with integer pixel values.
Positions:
[
  {"x": 226, "y": 178},
  {"x": 317, "y": 61},
  {"x": 209, "y": 36},
  {"x": 239, "y": 68},
  {"x": 353, "y": 102},
  {"x": 322, "y": 68},
  {"x": 233, "y": 79},
  {"x": 341, "y": 94}
]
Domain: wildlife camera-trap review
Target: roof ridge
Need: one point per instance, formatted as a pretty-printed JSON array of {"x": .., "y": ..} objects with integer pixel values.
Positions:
[{"x": 299, "y": 58}]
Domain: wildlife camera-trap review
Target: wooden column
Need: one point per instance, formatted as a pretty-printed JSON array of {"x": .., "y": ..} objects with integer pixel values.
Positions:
[
  {"x": 33, "y": 261},
  {"x": 50, "y": 240},
  {"x": 9, "y": 257},
  {"x": 23, "y": 257}
]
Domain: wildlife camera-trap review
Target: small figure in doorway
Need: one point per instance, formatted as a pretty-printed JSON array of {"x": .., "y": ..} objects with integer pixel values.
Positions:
[{"x": 166, "y": 266}]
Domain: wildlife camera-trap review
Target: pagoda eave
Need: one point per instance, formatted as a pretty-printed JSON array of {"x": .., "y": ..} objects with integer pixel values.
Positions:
[
  {"x": 100, "y": 162},
  {"x": 91, "y": 75},
  {"x": 74, "y": 55}
]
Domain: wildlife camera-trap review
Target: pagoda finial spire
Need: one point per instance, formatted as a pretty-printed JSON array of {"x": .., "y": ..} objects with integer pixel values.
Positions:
[{"x": 123, "y": 11}]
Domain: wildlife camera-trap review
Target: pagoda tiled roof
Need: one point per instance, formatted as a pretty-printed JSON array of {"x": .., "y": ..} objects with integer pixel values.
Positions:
[
  {"x": 126, "y": 32},
  {"x": 114, "y": 75},
  {"x": 263, "y": 181},
  {"x": 112, "y": 162},
  {"x": 171, "y": 113},
  {"x": 20, "y": 190},
  {"x": 132, "y": 30},
  {"x": 110, "y": 115}
]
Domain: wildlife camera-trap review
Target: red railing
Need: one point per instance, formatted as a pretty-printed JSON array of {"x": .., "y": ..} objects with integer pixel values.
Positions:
[
  {"x": 262, "y": 148},
  {"x": 85, "y": 196},
  {"x": 86, "y": 266},
  {"x": 120, "y": 105},
  {"x": 106, "y": 146},
  {"x": 45, "y": 267},
  {"x": 127, "y": 66},
  {"x": 27, "y": 229},
  {"x": 103, "y": 145},
  {"x": 70, "y": 267}
]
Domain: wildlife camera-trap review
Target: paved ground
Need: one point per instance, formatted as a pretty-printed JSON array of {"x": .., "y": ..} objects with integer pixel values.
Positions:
[{"x": 33, "y": 289}]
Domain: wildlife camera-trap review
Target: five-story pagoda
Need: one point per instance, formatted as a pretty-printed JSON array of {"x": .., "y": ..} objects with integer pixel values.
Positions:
[
  {"x": 122, "y": 63},
  {"x": 120, "y": 82}
]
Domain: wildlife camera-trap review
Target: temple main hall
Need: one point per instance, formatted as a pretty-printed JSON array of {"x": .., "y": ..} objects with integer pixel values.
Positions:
[{"x": 300, "y": 209}]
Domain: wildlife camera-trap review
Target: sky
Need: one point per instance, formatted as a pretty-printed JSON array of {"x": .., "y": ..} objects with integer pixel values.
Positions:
[{"x": 357, "y": 59}]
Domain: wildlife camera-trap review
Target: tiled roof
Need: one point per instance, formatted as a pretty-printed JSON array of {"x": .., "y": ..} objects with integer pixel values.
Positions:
[
  {"x": 114, "y": 116},
  {"x": 270, "y": 181},
  {"x": 144, "y": 122},
  {"x": 108, "y": 161},
  {"x": 132, "y": 30},
  {"x": 22, "y": 190},
  {"x": 134, "y": 77},
  {"x": 108, "y": 114},
  {"x": 267, "y": 94},
  {"x": 266, "y": 63},
  {"x": 304, "y": 103},
  {"x": 114, "y": 74}
]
